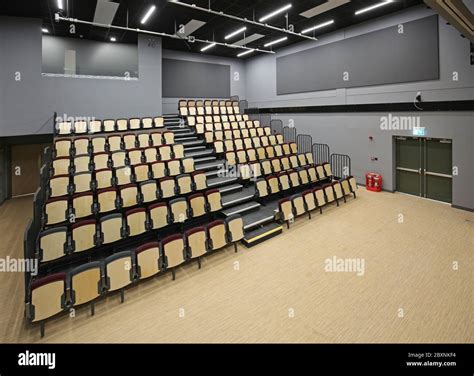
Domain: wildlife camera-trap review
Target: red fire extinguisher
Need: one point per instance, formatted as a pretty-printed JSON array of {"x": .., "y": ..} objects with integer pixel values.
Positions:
[{"x": 373, "y": 182}]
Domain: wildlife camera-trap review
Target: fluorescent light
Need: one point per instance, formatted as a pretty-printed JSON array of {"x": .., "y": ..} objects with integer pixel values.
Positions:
[
  {"x": 278, "y": 11},
  {"x": 317, "y": 26},
  {"x": 148, "y": 14},
  {"x": 45, "y": 30},
  {"x": 235, "y": 33},
  {"x": 60, "y": 4},
  {"x": 207, "y": 47},
  {"x": 373, "y": 7},
  {"x": 275, "y": 42},
  {"x": 113, "y": 39},
  {"x": 245, "y": 53}
]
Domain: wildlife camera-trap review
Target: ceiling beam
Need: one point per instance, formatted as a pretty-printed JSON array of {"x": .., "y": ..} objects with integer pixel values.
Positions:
[{"x": 245, "y": 20}]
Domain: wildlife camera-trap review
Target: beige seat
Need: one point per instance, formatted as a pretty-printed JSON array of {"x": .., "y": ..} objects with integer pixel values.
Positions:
[
  {"x": 196, "y": 241},
  {"x": 85, "y": 284},
  {"x": 276, "y": 165},
  {"x": 61, "y": 166},
  {"x": 62, "y": 147},
  {"x": 128, "y": 195},
  {"x": 135, "y": 156},
  {"x": 174, "y": 167},
  {"x": 129, "y": 141},
  {"x": 165, "y": 152},
  {"x": 261, "y": 188},
  {"x": 310, "y": 201},
  {"x": 123, "y": 175},
  {"x": 338, "y": 194},
  {"x": 168, "y": 138},
  {"x": 109, "y": 125},
  {"x": 136, "y": 221},
  {"x": 81, "y": 163},
  {"x": 101, "y": 161},
  {"x": 214, "y": 200},
  {"x": 327, "y": 170},
  {"x": 320, "y": 198},
  {"x": 294, "y": 179},
  {"x": 273, "y": 185},
  {"x": 141, "y": 172},
  {"x": 309, "y": 158},
  {"x": 147, "y": 257},
  {"x": 173, "y": 253},
  {"x": 196, "y": 205},
  {"x": 59, "y": 185},
  {"x": 158, "y": 170},
  {"x": 216, "y": 235},
  {"x": 184, "y": 184},
  {"x": 104, "y": 178},
  {"x": 115, "y": 143},
  {"x": 284, "y": 181},
  {"x": 80, "y": 127},
  {"x": 158, "y": 215},
  {"x": 303, "y": 175},
  {"x": 286, "y": 211},
  {"x": 106, "y": 200},
  {"x": 329, "y": 192},
  {"x": 294, "y": 162},
  {"x": 299, "y": 207},
  {"x": 150, "y": 154},
  {"x": 285, "y": 163},
  {"x": 55, "y": 211},
  {"x": 64, "y": 128},
  {"x": 313, "y": 176},
  {"x": 143, "y": 140},
  {"x": 199, "y": 180},
  {"x": 158, "y": 122},
  {"x": 134, "y": 124},
  {"x": 286, "y": 149},
  {"x": 111, "y": 228},
  {"x": 83, "y": 235},
  {"x": 178, "y": 211},
  {"x": 52, "y": 244},
  {"x": 156, "y": 139},
  {"x": 178, "y": 151},
  {"x": 167, "y": 187},
  {"x": 118, "y": 159},
  {"x": 82, "y": 205},
  {"x": 302, "y": 160},
  {"x": 148, "y": 191},
  {"x": 119, "y": 272},
  {"x": 122, "y": 125},
  {"x": 81, "y": 146},
  {"x": 235, "y": 229},
  {"x": 147, "y": 122}
]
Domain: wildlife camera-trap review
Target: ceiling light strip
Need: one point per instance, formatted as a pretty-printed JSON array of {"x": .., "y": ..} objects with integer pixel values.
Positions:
[
  {"x": 222, "y": 14},
  {"x": 364, "y": 10},
  {"x": 58, "y": 17},
  {"x": 274, "y": 13}
]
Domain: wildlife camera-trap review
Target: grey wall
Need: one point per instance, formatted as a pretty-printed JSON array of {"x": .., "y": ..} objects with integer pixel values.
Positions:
[
  {"x": 92, "y": 57},
  {"x": 381, "y": 57},
  {"x": 30, "y": 103},
  {"x": 237, "y": 74}
]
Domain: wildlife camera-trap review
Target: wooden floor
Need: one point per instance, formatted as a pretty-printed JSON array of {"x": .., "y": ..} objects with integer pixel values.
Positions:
[{"x": 279, "y": 290}]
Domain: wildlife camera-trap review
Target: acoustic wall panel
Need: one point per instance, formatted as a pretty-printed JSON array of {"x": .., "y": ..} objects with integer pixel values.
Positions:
[
  {"x": 189, "y": 79},
  {"x": 388, "y": 56}
]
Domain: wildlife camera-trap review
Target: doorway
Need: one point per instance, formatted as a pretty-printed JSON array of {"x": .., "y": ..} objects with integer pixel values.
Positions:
[{"x": 424, "y": 167}]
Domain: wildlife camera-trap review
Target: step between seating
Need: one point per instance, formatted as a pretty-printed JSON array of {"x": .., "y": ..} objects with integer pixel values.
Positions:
[
  {"x": 261, "y": 233},
  {"x": 242, "y": 208}
]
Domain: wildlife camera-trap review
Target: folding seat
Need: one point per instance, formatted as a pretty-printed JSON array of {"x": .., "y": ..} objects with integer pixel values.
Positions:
[
  {"x": 229, "y": 145},
  {"x": 319, "y": 196},
  {"x": 267, "y": 131},
  {"x": 256, "y": 170},
  {"x": 299, "y": 207},
  {"x": 135, "y": 156},
  {"x": 167, "y": 187},
  {"x": 103, "y": 178},
  {"x": 352, "y": 185},
  {"x": 156, "y": 138},
  {"x": 261, "y": 188},
  {"x": 253, "y": 133},
  {"x": 184, "y": 184},
  {"x": 231, "y": 158},
  {"x": 199, "y": 180},
  {"x": 196, "y": 205},
  {"x": 141, "y": 172},
  {"x": 310, "y": 201},
  {"x": 63, "y": 148},
  {"x": 195, "y": 243},
  {"x": 148, "y": 191},
  {"x": 273, "y": 184},
  {"x": 238, "y": 117},
  {"x": 81, "y": 163},
  {"x": 101, "y": 161},
  {"x": 217, "y": 127},
  {"x": 303, "y": 175},
  {"x": 129, "y": 141},
  {"x": 134, "y": 124},
  {"x": 327, "y": 170},
  {"x": 209, "y": 120},
  {"x": 111, "y": 228},
  {"x": 245, "y": 117},
  {"x": 115, "y": 143},
  {"x": 158, "y": 170},
  {"x": 56, "y": 211},
  {"x": 229, "y": 107},
  {"x": 251, "y": 155},
  {"x": 123, "y": 176},
  {"x": 222, "y": 108},
  {"x": 236, "y": 133},
  {"x": 209, "y": 137},
  {"x": 235, "y": 125},
  {"x": 294, "y": 162},
  {"x": 200, "y": 128},
  {"x": 122, "y": 125},
  {"x": 241, "y": 156},
  {"x": 329, "y": 193},
  {"x": 107, "y": 200},
  {"x": 158, "y": 214},
  {"x": 236, "y": 107},
  {"x": 129, "y": 195},
  {"x": 98, "y": 144},
  {"x": 284, "y": 181},
  {"x": 136, "y": 221},
  {"x": 85, "y": 284},
  {"x": 337, "y": 188},
  {"x": 178, "y": 211},
  {"x": 81, "y": 146},
  {"x": 172, "y": 252},
  {"x": 216, "y": 235},
  {"x": 168, "y": 138},
  {"x": 95, "y": 126},
  {"x": 294, "y": 178},
  {"x": 280, "y": 139},
  {"x": 158, "y": 122},
  {"x": 313, "y": 177},
  {"x": 270, "y": 151},
  {"x": 215, "y": 107},
  {"x": 293, "y": 148},
  {"x": 302, "y": 160},
  {"x": 286, "y": 149},
  {"x": 214, "y": 200},
  {"x": 80, "y": 127},
  {"x": 285, "y": 163},
  {"x": 191, "y": 121},
  {"x": 261, "y": 153},
  {"x": 82, "y": 205},
  {"x": 147, "y": 257},
  {"x": 83, "y": 235},
  {"x": 118, "y": 272},
  {"x": 61, "y": 166},
  {"x": 231, "y": 118},
  {"x": 276, "y": 165},
  {"x": 118, "y": 158},
  {"x": 109, "y": 125},
  {"x": 208, "y": 107},
  {"x": 266, "y": 166},
  {"x": 147, "y": 122},
  {"x": 260, "y": 132},
  {"x": 238, "y": 144},
  {"x": 59, "y": 185},
  {"x": 174, "y": 167},
  {"x": 226, "y": 127},
  {"x": 150, "y": 154},
  {"x": 165, "y": 153},
  {"x": 256, "y": 142},
  {"x": 248, "y": 143},
  {"x": 192, "y": 107},
  {"x": 278, "y": 150},
  {"x": 218, "y": 136},
  {"x": 178, "y": 151},
  {"x": 46, "y": 298},
  {"x": 285, "y": 209},
  {"x": 272, "y": 139},
  {"x": 183, "y": 109},
  {"x": 245, "y": 172},
  {"x": 64, "y": 128},
  {"x": 309, "y": 158},
  {"x": 52, "y": 244},
  {"x": 321, "y": 173},
  {"x": 143, "y": 140},
  {"x": 249, "y": 124},
  {"x": 219, "y": 147}
]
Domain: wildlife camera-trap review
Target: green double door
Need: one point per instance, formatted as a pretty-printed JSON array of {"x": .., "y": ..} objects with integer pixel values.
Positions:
[{"x": 424, "y": 167}]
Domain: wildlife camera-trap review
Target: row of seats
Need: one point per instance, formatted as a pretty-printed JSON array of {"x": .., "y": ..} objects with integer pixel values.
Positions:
[
  {"x": 231, "y": 144},
  {"x": 59, "y": 292},
  {"x": 309, "y": 200},
  {"x": 209, "y": 127},
  {"x": 66, "y": 147},
  {"x": 193, "y": 120},
  {"x": 81, "y": 127},
  {"x": 254, "y": 154},
  {"x": 208, "y": 107},
  {"x": 86, "y": 234},
  {"x": 117, "y": 159}
]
